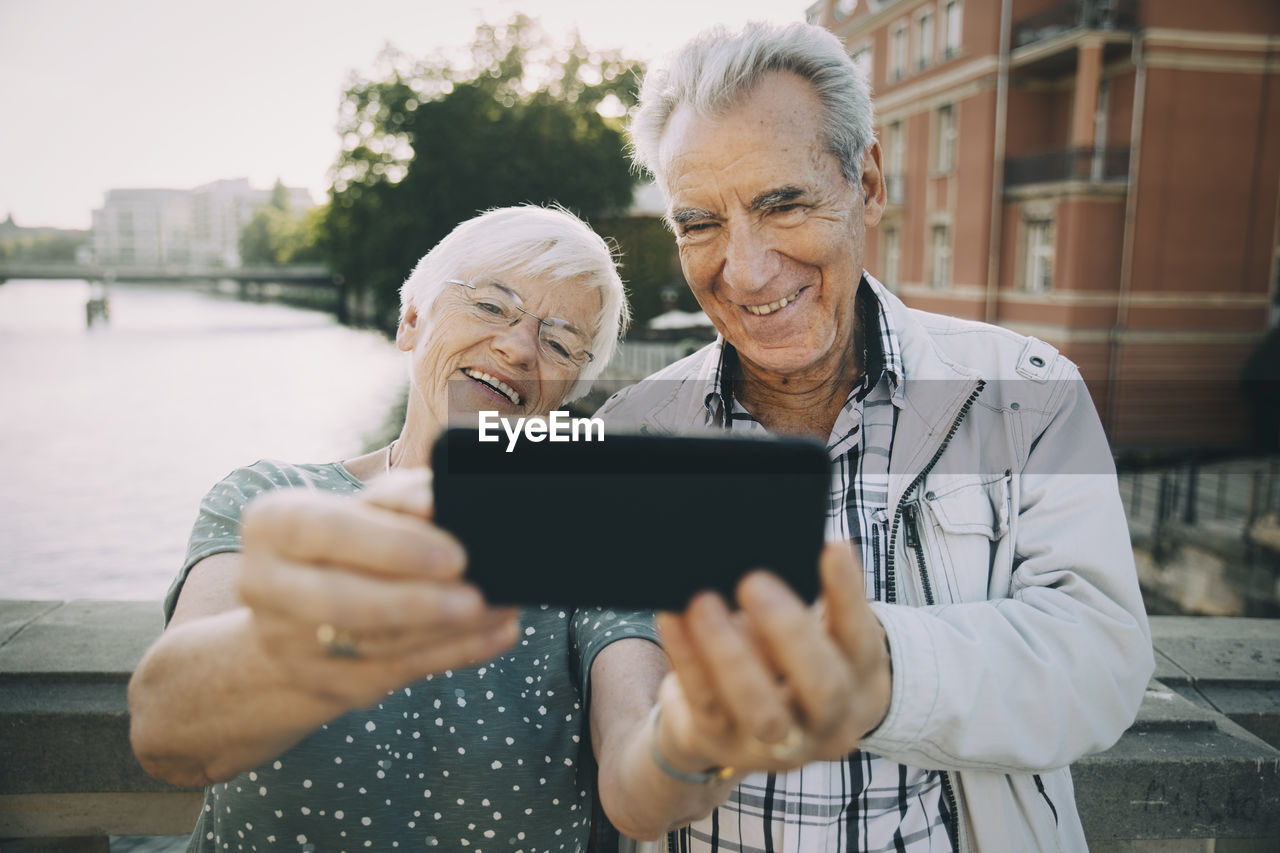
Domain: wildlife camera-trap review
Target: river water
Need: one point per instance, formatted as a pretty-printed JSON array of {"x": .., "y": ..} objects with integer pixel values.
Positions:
[{"x": 110, "y": 435}]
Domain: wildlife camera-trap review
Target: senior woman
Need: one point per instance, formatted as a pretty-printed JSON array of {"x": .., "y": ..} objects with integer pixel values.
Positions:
[
  {"x": 328, "y": 673},
  {"x": 336, "y": 684}
]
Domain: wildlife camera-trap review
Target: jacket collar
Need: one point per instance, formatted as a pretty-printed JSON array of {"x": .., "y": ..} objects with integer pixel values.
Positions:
[
  {"x": 885, "y": 361},
  {"x": 937, "y": 388},
  {"x": 930, "y": 394}
]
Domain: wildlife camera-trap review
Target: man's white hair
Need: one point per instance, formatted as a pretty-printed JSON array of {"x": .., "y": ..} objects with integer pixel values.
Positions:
[
  {"x": 528, "y": 241},
  {"x": 717, "y": 69}
]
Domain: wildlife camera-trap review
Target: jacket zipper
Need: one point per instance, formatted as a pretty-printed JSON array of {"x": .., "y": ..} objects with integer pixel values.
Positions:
[
  {"x": 1045, "y": 794},
  {"x": 891, "y": 593},
  {"x": 912, "y": 536}
]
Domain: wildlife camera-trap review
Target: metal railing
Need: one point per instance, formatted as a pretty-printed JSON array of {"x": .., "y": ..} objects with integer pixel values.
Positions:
[
  {"x": 1069, "y": 164},
  {"x": 1230, "y": 494}
]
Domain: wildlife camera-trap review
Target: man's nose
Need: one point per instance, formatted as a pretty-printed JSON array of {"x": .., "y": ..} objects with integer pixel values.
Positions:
[{"x": 750, "y": 263}]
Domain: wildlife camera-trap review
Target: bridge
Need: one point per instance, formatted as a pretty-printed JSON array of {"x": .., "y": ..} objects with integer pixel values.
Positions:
[{"x": 306, "y": 275}]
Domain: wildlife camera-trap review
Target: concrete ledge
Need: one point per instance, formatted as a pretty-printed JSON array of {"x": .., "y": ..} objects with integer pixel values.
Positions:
[
  {"x": 1181, "y": 771},
  {"x": 1227, "y": 665},
  {"x": 1200, "y": 762},
  {"x": 67, "y": 767},
  {"x": 89, "y": 815}
]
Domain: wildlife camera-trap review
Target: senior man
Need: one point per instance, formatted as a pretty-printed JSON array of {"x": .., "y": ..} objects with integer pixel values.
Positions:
[{"x": 1005, "y": 635}]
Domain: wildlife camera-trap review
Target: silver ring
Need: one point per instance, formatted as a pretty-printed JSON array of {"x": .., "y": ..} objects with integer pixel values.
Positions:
[{"x": 336, "y": 642}]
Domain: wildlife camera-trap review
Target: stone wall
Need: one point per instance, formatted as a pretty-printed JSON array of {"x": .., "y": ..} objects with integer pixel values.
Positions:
[{"x": 1201, "y": 761}]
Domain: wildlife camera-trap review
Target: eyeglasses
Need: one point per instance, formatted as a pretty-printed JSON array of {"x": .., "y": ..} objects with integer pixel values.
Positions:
[{"x": 559, "y": 341}]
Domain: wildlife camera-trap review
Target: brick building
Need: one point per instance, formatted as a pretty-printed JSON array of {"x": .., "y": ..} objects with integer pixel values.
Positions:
[{"x": 1102, "y": 174}]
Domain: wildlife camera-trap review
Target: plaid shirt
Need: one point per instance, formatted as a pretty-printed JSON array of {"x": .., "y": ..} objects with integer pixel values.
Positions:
[{"x": 862, "y": 802}]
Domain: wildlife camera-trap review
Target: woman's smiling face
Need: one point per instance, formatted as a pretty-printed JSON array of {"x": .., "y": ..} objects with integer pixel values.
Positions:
[{"x": 463, "y": 365}]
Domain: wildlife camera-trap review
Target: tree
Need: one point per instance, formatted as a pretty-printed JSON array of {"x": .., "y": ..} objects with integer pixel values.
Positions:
[
  {"x": 434, "y": 142},
  {"x": 276, "y": 234}
]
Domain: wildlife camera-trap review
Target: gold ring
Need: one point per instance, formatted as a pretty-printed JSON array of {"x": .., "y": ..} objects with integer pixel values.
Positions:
[
  {"x": 784, "y": 750},
  {"x": 337, "y": 642}
]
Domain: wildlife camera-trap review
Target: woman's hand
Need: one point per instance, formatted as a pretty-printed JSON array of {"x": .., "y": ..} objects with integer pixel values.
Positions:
[
  {"x": 777, "y": 684},
  {"x": 353, "y": 597}
]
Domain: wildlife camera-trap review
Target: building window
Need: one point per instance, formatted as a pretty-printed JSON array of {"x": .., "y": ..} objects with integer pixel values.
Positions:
[
  {"x": 1098, "y": 168},
  {"x": 950, "y": 28},
  {"x": 844, "y": 8},
  {"x": 924, "y": 40},
  {"x": 898, "y": 52},
  {"x": 945, "y": 154},
  {"x": 1038, "y": 276},
  {"x": 939, "y": 256},
  {"x": 862, "y": 57},
  {"x": 893, "y": 172},
  {"x": 892, "y": 258}
]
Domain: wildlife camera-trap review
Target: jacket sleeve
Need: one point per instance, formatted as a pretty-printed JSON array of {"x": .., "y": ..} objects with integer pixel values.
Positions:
[{"x": 1057, "y": 667}]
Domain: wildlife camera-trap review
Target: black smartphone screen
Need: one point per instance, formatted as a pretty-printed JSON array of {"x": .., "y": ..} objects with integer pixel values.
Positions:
[{"x": 631, "y": 521}]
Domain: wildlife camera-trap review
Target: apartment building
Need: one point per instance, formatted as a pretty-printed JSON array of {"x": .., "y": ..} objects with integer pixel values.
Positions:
[
  {"x": 1103, "y": 174},
  {"x": 201, "y": 226},
  {"x": 146, "y": 227}
]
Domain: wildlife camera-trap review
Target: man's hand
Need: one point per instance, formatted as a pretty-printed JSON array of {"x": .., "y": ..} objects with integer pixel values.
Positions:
[
  {"x": 372, "y": 571},
  {"x": 777, "y": 684}
]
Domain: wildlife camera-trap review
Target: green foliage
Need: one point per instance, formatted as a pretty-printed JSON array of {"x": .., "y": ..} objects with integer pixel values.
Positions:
[
  {"x": 650, "y": 266},
  {"x": 52, "y": 246},
  {"x": 431, "y": 143},
  {"x": 276, "y": 234}
]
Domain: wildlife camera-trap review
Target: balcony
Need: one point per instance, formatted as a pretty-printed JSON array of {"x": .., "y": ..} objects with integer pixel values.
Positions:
[
  {"x": 1092, "y": 165},
  {"x": 1076, "y": 15}
]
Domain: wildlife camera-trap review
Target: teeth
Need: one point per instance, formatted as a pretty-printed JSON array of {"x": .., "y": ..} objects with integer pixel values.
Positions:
[
  {"x": 762, "y": 310},
  {"x": 494, "y": 382}
]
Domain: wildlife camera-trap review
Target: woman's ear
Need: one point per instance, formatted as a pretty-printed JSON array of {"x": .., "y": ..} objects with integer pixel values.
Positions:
[{"x": 409, "y": 329}]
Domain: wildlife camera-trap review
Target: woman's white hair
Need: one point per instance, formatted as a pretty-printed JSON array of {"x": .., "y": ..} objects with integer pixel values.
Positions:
[
  {"x": 528, "y": 241},
  {"x": 717, "y": 68}
]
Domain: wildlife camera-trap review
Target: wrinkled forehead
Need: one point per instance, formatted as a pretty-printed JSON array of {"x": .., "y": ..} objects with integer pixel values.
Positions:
[{"x": 778, "y": 122}]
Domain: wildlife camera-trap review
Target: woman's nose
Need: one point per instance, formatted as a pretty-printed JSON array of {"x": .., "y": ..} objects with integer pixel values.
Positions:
[{"x": 518, "y": 342}]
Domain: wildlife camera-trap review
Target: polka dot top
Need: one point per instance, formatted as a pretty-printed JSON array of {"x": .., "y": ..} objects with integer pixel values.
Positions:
[{"x": 495, "y": 757}]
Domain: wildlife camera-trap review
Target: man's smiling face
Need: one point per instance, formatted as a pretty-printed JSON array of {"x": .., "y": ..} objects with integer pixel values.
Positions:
[{"x": 770, "y": 233}]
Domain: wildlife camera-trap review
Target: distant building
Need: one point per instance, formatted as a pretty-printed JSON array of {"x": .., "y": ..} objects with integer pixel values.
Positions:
[
  {"x": 144, "y": 227},
  {"x": 1102, "y": 174},
  {"x": 199, "y": 226}
]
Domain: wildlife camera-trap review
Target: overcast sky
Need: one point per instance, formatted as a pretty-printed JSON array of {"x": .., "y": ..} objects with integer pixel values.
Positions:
[{"x": 98, "y": 94}]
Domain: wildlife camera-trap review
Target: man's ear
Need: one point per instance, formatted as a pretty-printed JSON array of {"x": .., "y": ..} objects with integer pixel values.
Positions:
[
  {"x": 409, "y": 329},
  {"x": 873, "y": 191}
]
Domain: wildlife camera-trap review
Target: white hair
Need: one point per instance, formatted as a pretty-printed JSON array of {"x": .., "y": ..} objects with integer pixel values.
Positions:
[
  {"x": 716, "y": 69},
  {"x": 530, "y": 242}
]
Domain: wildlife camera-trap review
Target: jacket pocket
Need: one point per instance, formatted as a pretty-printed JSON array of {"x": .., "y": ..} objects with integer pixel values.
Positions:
[{"x": 966, "y": 517}]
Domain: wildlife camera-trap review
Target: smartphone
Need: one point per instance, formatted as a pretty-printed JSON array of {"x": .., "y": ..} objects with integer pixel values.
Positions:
[{"x": 631, "y": 521}]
